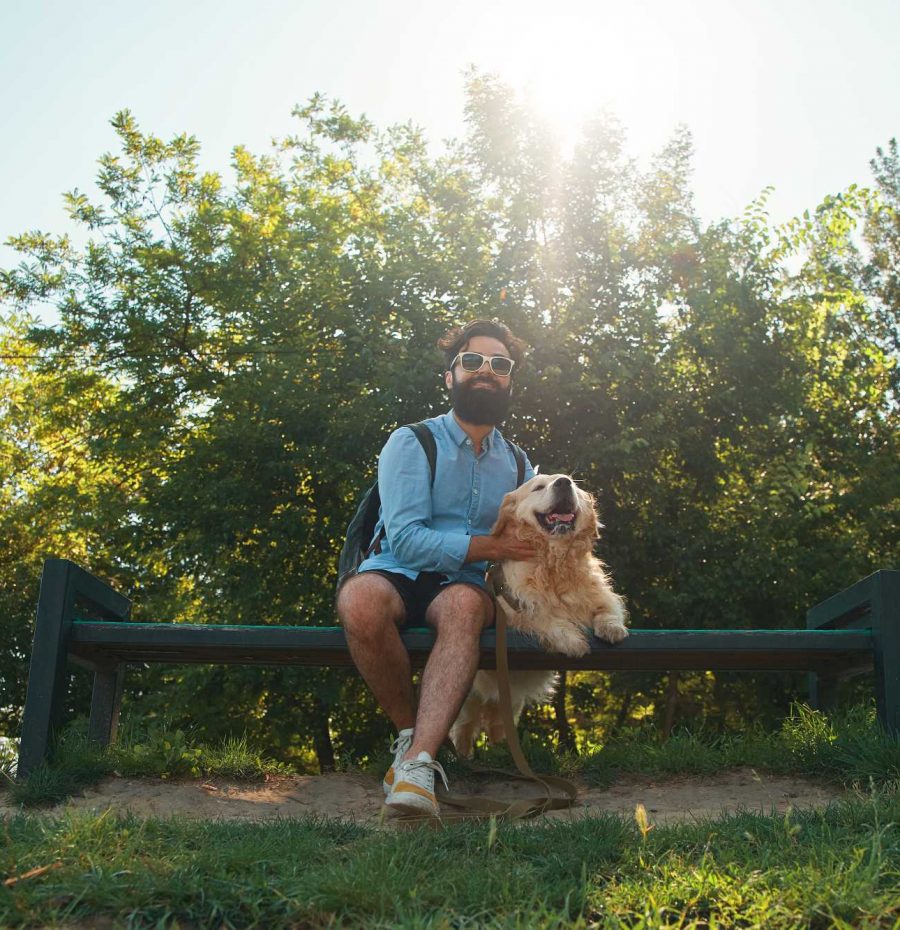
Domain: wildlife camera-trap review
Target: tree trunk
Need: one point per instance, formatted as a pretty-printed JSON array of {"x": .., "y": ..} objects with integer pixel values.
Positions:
[
  {"x": 322, "y": 739},
  {"x": 671, "y": 705},
  {"x": 566, "y": 740},
  {"x": 622, "y": 716}
]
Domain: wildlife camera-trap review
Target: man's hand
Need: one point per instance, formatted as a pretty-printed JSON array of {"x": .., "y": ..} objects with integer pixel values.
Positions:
[{"x": 505, "y": 545}]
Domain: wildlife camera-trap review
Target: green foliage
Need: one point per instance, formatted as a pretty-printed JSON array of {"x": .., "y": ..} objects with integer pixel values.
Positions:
[
  {"x": 8, "y": 756},
  {"x": 850, "y": 749},
  {"x": 142, "y": 750},
  {"x": 76, "y": 763},
  {"x": 232, "y": 352}
]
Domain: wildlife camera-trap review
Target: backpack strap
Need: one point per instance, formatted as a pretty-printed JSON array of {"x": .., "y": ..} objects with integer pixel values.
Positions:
[
  {"x": 429, "y": 446},
  {"x": 426, "y": 440},
  {"x": 519, "y": 456}
]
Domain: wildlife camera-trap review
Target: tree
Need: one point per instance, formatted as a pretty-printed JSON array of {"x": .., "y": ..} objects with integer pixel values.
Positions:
[{"x": 230, "y": 355}]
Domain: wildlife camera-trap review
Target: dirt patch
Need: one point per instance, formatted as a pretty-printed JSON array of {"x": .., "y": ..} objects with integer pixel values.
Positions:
[{"x": 359, "y": 797}]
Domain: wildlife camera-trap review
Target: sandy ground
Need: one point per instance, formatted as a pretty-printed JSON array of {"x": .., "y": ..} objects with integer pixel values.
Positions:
[{"x": 359, "y": 797}]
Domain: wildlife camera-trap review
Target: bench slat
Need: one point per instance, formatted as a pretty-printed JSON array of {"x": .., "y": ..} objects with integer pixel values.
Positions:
[{"x": 319, "y": 646}]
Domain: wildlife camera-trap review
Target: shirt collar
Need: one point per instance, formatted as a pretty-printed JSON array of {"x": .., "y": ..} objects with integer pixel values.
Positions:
[{"x": 459, "y": 435}]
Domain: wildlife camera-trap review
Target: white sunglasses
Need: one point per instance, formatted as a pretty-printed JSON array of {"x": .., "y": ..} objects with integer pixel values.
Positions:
[{"x": 474, "y": 361}]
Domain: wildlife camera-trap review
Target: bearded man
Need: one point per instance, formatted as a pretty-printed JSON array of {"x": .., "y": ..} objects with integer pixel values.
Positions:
[{"x": 434, "y": 551}]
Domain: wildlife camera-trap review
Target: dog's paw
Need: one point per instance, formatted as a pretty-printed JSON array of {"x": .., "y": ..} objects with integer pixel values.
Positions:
[
  {"x": 613, "y": 631},
  {"x": 568, "y": 643}
]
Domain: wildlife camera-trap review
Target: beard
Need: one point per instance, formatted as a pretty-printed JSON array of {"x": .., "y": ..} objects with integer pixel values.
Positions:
[{"x": 480, "y": 406}]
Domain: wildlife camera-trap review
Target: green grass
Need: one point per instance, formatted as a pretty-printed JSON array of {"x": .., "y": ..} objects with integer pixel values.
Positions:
[
  {"x": 834, "y": 868},
  {"x": 850, "y": 750},
  {"x": 155, "y": 751},
  {"x": 839, "y": 867}
]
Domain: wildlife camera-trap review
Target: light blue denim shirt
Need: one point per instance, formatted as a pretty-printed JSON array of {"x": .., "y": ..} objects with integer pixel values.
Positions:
[{"x": 427, "y": 526}]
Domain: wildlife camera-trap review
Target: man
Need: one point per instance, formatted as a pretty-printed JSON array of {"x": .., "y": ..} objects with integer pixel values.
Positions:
[{"x": 433, "y": 557}]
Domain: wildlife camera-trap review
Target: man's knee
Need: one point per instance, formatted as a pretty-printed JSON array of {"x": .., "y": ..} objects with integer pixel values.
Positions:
[
  {"x": 462, "y": 608},
  {"x": 367, "y": 606}
]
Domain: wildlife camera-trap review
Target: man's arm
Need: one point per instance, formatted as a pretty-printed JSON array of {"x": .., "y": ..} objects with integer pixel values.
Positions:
[
  {"x": 492, "y": 548},
  {"x": 404, "y": 485}
]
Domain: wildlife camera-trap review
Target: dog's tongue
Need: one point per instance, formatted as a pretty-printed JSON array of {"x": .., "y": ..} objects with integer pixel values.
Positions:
[{"x": 560, "y": 517}]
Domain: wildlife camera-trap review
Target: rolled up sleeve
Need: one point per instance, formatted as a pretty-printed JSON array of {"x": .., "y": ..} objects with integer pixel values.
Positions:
[{"x": 404, "y": 485}]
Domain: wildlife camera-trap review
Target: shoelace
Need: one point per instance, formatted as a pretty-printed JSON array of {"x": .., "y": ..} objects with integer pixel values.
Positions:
[
  {"x": 395, "y": 746},
  {"x": 435, "y": 765}
]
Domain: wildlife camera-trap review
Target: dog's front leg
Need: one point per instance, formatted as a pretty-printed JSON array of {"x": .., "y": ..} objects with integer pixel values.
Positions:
[
  {"x": 562, "y": 635},
  {"x": 609, "y": 618}
]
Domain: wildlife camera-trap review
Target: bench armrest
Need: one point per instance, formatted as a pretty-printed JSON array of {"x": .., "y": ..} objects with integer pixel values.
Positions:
[
  {"x": 853, "y": 608},
  {"x": 88, "y": 593}
]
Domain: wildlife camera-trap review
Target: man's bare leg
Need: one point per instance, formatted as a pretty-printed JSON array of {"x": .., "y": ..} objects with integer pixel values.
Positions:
[
  {"x": 458, "y": 615},
  {"x": 371, "y": 611}
]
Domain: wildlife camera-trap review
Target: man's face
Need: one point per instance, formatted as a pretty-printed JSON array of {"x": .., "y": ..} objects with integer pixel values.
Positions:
[{"x": 480, "y": 397}]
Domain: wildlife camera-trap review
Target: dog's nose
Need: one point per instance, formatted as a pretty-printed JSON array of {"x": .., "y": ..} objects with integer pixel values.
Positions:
[{"x": 562, "y": 482}]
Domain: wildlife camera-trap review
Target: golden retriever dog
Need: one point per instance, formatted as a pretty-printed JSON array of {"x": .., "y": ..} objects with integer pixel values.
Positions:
[{"x": 559, "y": 598}]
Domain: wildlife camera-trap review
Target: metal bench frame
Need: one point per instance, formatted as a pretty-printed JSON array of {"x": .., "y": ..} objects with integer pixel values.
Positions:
[{"x": 83, "y": 620}]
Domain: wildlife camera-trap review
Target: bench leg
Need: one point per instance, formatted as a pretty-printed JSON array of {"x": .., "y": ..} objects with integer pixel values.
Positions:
[
  {"x": 823, "y": 691},
  {"x": 106, "y": 699},
  {"x": 886, "y": 630},
  {"x": 47, "y": 675}
]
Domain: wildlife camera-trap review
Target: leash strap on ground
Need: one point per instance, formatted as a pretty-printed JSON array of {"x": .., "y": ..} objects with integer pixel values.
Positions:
[
  {"x": 524, "y": 807},
  {"x": 548, "y": 782}
]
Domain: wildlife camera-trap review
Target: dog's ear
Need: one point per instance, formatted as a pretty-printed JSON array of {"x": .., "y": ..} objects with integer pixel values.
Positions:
[
  {"x": 592, "y": 524},
  {"x": 507, "y": 513}
]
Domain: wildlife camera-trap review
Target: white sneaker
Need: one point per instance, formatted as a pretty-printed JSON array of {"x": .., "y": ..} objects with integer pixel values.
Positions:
[
  {"x": 413, "y": 791},
  {"x": 400, "y": 747}
]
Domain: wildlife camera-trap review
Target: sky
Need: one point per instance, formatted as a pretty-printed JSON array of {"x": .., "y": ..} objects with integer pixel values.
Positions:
[{"x": 796, "y": 94}]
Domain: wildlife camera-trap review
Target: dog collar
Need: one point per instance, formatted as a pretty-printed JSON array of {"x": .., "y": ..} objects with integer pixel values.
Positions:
[{"x": 497, "y": 585}]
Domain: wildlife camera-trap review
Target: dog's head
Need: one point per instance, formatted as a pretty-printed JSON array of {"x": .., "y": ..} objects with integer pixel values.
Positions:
[{"x": 551, "y": 510}]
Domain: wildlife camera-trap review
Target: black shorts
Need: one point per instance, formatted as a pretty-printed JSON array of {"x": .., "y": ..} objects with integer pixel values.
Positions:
[{"x": 417, "y": 593}]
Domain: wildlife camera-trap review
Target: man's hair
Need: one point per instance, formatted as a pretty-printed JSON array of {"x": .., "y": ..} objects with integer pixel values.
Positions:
[{"x": 455, "y": 340}]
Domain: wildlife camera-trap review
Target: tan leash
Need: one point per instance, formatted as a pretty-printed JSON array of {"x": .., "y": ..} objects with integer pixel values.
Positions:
[{"x": 524, "y": 807}]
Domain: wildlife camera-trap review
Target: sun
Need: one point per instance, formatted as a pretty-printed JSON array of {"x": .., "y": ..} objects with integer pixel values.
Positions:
[{"x": 584, "y": 60}]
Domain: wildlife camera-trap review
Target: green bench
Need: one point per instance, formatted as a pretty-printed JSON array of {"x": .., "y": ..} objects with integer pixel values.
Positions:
[{"x": 82, "y": 620}]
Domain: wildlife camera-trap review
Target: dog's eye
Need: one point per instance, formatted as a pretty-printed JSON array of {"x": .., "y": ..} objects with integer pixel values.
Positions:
[{"x": 538, "y": 487}]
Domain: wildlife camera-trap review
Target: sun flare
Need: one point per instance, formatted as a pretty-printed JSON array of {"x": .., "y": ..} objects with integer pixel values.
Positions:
[{"x": 631, "y": 62}]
